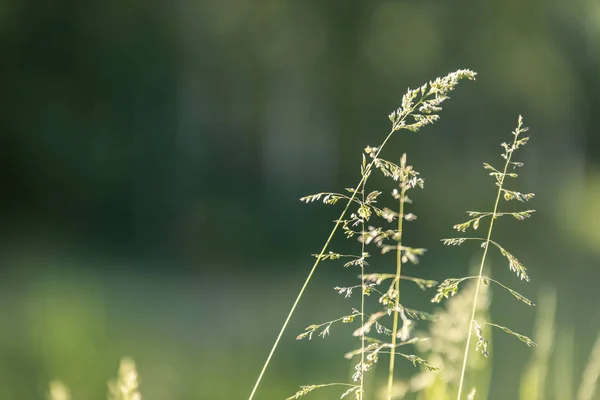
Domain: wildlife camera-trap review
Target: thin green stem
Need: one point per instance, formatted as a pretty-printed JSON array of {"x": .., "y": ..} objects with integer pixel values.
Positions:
[
  {"x": 397, "y": 289},
  {"x": 480, "y": 275},
  {"x": 314, "y": 267},
  {"x": 336, "y": 384},
  {"x": 362, "y": 305}
]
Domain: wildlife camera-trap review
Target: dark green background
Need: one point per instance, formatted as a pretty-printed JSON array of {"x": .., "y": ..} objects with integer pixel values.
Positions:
[{"x": 153, "y": 153}]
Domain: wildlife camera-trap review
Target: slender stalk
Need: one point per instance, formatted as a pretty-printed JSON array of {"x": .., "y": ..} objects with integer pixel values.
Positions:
[
  {"x": 362, "y": 305},
  {"x": 563, "y": 364},
  {"x": 480, "y": 275},
  {"x": 318, "y": 260},
  {"x": 397, "y": 289},
  {"x": 591, "y": 374}
]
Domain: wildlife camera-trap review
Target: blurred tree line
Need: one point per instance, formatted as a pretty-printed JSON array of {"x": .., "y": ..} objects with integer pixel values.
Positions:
[{"x": 188, "y": 129}]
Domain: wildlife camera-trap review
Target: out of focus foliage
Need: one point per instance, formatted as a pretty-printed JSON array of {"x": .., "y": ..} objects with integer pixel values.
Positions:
[{"x": 154, "y": 127}]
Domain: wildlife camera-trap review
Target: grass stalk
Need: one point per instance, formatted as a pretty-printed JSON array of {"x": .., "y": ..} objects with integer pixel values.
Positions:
[
  {"x": 533, "y": 380},
  {"x": 397, "y": 289},
  {"x": 591, "y": 374},
  {"x": 563, "y": 364},
  {"x": 315, "y": 265},
  {"x": 481, "y": 266},
  {"x": 362, "y": 303}
]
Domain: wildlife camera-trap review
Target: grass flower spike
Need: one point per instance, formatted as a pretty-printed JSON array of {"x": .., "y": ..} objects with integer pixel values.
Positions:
[{"x": 450, "y": 287}]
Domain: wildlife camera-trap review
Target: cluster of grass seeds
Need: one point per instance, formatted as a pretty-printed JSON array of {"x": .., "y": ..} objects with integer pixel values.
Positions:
[
  {"x": 450, "y": 287},
  {"x": 420, "y": 107},
  {"x": 58, "y": 391},
  {"x": 374, "y": 333},
  {"x": 124, "y": 387}
]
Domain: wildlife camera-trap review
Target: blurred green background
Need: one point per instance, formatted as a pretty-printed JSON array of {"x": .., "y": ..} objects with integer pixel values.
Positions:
[{"x": 153, "y": 153}]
